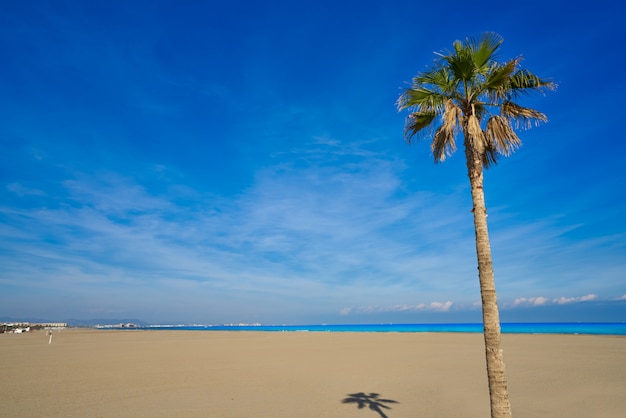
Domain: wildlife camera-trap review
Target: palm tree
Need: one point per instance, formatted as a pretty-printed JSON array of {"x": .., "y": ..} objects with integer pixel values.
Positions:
[{"x": 467, "y": 91}]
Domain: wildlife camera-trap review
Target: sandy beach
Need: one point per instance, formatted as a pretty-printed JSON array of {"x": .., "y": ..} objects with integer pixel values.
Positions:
[{"x": 96, "y": 373}]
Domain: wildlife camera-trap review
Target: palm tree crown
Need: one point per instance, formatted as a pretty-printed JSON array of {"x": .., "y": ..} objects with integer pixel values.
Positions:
[{"x": 467, "y": 90}]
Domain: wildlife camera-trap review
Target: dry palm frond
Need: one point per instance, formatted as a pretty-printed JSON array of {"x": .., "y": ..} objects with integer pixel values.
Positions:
[
  {"x": 476, "y": 137},
  {"x": 451, "y": 115},
  {"x": 443, "y": 144},
  {"x": 502, "y": 135},
  {"x": 523, "y": 116},
  {"x": 490, "y": 158}
]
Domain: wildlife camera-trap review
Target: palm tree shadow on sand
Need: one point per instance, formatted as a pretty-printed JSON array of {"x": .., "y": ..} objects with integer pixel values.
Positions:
[{"x": 371, "y": 401}]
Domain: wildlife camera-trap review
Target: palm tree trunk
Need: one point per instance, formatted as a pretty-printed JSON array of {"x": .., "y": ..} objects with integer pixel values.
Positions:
[{"x": 498, "y": 391}]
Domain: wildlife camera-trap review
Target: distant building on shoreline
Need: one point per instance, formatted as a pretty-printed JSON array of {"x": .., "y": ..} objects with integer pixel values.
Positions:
[
  {"x": 20, "y": 327},
  {"x": 121, "y": 325}
]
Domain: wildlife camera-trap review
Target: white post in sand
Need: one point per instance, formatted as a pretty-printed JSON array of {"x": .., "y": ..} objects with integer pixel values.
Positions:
[{"x": 50, "y": 340}]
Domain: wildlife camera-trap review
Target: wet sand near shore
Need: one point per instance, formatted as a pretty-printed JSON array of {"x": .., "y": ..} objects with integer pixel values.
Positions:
[{"x": 131, "y": 373}]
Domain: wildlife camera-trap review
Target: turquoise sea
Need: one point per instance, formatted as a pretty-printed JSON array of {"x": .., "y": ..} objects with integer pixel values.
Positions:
[{"x": 507, "y": 328}]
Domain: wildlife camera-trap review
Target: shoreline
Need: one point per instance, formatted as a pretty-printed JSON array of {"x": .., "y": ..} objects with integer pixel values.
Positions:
[
  {"x": 559, "y": 328},
  {"x": 156, "y": 373}
]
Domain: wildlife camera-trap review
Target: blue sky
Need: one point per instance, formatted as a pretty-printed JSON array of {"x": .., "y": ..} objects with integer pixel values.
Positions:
[{"x": 225, "y": 162}]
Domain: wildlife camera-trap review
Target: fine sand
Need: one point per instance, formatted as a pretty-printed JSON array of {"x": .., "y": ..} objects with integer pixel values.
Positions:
[{"x": 97, "y": 373}]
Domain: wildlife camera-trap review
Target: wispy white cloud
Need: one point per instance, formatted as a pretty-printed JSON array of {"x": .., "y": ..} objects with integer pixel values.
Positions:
[
  {"x": 433, "y": 307},
  {"x": 537, "y": 301},
  {"x": 542, "y": 301},
  {"x": 21, "y": 190},
  {"x": 563, "y": 300}
]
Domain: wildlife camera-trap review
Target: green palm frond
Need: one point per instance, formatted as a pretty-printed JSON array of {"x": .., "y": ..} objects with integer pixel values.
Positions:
[
  {"x": 416, "y": 122},
  {"x": 421, "y": 98},
  {"x": 472, "y": 57},
  {"x": 497, "y": 79},
  {"x": 461, "y": 64},
  {"x": 459, "y": 95},
  {"x": 523, "y": 81},
  {"x": 485, "y": 49},
  {"x": 439, "y": 78}
]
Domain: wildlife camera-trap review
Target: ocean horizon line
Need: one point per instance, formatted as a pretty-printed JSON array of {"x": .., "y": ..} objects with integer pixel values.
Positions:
[{"x": 575, "y": 328}]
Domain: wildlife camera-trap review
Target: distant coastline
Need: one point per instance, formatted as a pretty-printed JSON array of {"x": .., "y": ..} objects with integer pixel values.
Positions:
[
  {"x": 585, "y": 328},
  {"x": 618, "y": 328}
]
